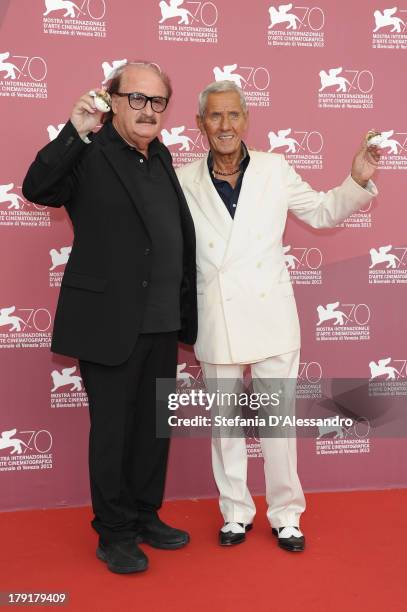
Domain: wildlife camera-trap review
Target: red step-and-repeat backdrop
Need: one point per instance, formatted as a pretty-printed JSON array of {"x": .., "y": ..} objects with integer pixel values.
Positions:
[{"x": 316, "y": 77}]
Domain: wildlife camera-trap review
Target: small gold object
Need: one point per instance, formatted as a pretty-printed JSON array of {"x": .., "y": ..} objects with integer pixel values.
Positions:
[{"x": 226, "y": 173}]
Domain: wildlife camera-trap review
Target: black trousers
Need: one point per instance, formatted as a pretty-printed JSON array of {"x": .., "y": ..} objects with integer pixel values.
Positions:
[{"x": 127, "y": 462}]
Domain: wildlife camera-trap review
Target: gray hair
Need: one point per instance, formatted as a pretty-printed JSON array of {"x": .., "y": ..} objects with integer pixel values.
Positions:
[{"x": 219, "y": 87}]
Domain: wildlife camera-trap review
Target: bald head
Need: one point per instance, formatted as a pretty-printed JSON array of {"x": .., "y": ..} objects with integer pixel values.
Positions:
[{"x": 115, "y": 83}]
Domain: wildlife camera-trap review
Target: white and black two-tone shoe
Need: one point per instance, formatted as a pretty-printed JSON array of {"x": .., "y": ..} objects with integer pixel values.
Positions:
[
  {"x": 290, "y": 538},
  {"x": 233, "y": 533}
]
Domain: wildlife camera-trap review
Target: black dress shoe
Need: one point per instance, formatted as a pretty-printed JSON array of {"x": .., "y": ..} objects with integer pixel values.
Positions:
[
  {"x": 159, "y": 535},
  {"x": 123, "y": 557},
  {"x": 290, "y": 538},
  {"x": 233, "y": 535}
]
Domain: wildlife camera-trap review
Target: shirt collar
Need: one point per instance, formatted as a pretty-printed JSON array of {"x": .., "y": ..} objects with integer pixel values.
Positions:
[{"x": 153, "y": 147}]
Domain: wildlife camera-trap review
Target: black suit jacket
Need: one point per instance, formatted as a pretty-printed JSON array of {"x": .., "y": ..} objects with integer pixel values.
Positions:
[{"x": 104, "y": 288}]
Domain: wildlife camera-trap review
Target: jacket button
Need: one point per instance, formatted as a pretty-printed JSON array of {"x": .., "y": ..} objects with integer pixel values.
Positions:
[
  {"x": 144, "y": 284},
  {"x": 147, "y": 251}
]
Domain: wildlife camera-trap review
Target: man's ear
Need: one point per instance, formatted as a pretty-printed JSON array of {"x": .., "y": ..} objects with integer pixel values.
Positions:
[
  {"x": 114, "y": 104},
  {"x": 200, "y": 125}
]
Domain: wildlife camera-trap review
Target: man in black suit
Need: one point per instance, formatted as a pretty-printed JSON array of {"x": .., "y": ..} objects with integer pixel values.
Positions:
[{"x": 128, "y": 294}]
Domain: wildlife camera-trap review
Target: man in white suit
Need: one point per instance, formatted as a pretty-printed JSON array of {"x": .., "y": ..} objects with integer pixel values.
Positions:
[{"x": 239, "y": 200}]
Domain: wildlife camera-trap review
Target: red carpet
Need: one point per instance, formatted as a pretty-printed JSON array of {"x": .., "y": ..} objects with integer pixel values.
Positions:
[{"x": 355, "y": 560}]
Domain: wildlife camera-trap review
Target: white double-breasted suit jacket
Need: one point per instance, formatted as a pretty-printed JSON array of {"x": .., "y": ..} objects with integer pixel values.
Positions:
[{"x": 246, "y": 304}]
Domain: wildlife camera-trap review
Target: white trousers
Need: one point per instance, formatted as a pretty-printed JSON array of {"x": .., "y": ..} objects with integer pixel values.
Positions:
[{"x": 284, "y": 494}]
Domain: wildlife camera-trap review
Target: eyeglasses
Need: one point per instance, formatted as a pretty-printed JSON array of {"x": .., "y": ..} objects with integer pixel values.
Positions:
[{"x": 138, "y": 101}]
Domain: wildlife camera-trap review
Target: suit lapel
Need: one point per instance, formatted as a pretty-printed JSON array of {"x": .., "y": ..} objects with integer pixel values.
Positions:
[
  {"x": 249, "y": 198},
  {"x": 211, "y": 203},
  {"x": 127, "y": 176},
  {"x": 186, "y": 217},
  {"x": 174, "y": 180}
]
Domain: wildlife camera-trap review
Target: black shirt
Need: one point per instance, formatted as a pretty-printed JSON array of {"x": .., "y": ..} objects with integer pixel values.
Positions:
[
  {"x": 162, "y": 216},
  {"x": 229, "y": 195}
]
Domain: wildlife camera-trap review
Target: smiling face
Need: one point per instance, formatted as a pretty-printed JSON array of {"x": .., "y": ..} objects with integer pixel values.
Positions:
[
  {"x": 224, "y": 123},
  {"x": 139, "y": 127}
]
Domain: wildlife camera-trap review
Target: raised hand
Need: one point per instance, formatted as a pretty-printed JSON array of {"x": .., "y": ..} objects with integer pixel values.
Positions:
[
  {"x": 365, "y": 163},
  {"x": 85, "y": 117}
]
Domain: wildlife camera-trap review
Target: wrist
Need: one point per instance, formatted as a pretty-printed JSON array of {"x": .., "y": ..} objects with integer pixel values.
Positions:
[
  {"x": 362, "y": 182},
  {"x": 84, "y": 135},
  {"x": 81, "y": 133}
]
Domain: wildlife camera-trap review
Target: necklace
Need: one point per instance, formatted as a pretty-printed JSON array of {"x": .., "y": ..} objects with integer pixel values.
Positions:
[{"x": 226, "y": 173}]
